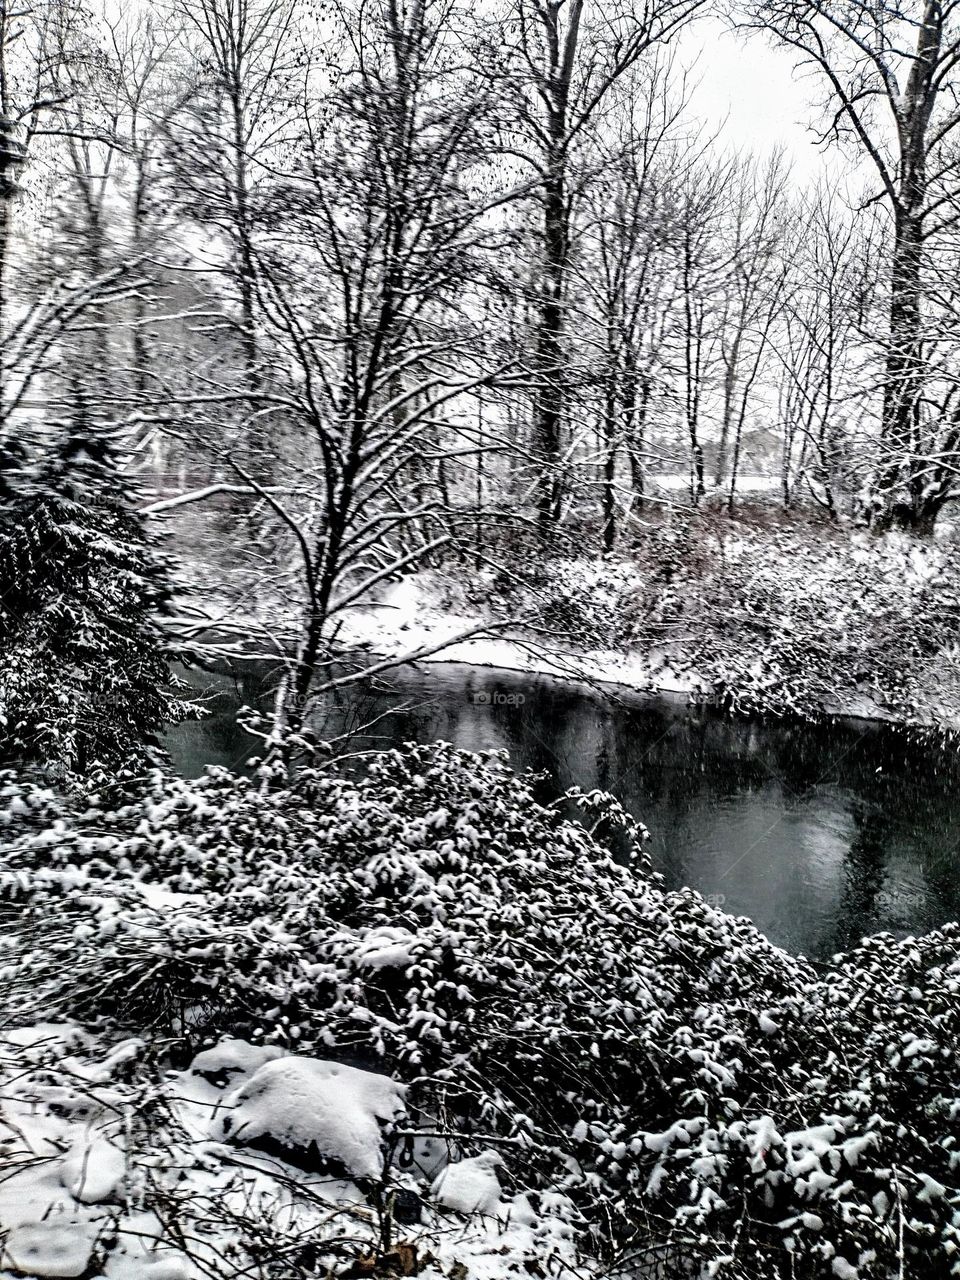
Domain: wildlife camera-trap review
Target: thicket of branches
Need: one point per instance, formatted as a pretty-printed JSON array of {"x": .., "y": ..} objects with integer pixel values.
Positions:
[
  {"x": 498, "y": 249},
  {"x": 371, "y": 288}
]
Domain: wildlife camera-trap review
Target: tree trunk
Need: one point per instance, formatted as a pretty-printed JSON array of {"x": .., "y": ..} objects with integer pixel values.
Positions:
[
  {"x": 692, "y": 359},
  {"x": 904, "y": 364},
  {"x": 729, "y": 395},
  {"x": 608, "y": 492},
  {"x": 550, "y": 394},
  {"x": 4, "y": 249},
  {"x": 636, "y": 424},
  {"x": 245, "y": 264},
  {"x": 902, "y": 374},
  {"x": 138, "y": 335},
  {"x": 561, "y": 51},
  {"x": 10, "y": 156}
]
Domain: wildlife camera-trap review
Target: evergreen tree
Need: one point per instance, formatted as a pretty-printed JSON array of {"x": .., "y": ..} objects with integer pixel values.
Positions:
[{"x": 85, "y": 685}]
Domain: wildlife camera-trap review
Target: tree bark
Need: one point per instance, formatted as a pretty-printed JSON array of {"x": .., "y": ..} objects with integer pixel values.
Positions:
[
  {"x": 550, "y": 395},
  {"x": 561, "y": 53},
  {"x": 609, "y": 494},
  {"x": 903, "y": 371}
]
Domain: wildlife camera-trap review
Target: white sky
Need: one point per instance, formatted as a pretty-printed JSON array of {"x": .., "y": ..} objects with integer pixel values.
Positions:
[{"x": 755, "y": 87}]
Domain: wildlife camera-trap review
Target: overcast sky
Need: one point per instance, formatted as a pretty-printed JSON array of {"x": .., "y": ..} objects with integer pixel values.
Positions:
[{"x": 766, "y": 102}]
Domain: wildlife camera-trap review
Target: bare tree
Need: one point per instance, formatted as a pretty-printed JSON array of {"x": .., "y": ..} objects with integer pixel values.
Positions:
[
  {"x": 369, "y": 277},
  {"x": 152, "y": 90},
  {"x": 824, "y": 348},
  {"x": 224, "y": 146},
  {"x": 568, "y": 60},
  {"x": 702, "y": 262},
  {"x": 753, "y": 287},
  {"x": 35, "y": 42},
  {"x": 891, "y": 79},
  {"x": 623, "y": 272}
]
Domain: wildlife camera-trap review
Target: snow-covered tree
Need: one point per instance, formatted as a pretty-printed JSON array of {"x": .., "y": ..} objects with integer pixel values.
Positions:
[{"x": 85, "y": 673}]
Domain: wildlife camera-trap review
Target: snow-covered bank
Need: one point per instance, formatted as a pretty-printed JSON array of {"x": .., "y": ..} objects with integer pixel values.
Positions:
[
  {"x": 412, "y": 1021},
  {"x": 408, "y": 620},
  {"x": 757, "y": 622},
  {"x": 765, "y": 621}
]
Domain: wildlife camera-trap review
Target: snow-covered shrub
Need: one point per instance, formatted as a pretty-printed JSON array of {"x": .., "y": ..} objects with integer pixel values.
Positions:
[
  {"x": 767, "y": 621},
  {"x": 428, "y": 914},
  {"x": 893, "y": 1085},
  {"x": 849, "y": 1168},
  {"x": 707, "y": 1100},
  {"x": 576, "y": 601},
  {"x": 112, "y": 1168},
  {"x": 155, "y": 966},
  {"x": 796, "y": 626},
  {"x": 582, "y": 601}
]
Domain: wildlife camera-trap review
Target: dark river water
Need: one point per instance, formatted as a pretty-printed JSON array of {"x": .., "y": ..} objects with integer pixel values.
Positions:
[{"x": 820, "y": 834}]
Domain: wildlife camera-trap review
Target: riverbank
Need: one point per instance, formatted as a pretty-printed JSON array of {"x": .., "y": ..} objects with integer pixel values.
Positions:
[
  {"x": 407, "y": 620},
  {"x": 804, "y": 621}
]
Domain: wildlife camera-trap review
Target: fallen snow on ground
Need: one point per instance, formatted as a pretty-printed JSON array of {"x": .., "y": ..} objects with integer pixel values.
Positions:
[
  {"x": 408, "y": 619},
  {"x": 58, "y": 1247},
  {"x": 93, "y": 1171},
  {"x": 409, "y": 622},
  {"x": 110, "y": 1172},
  {"x": 440, "y": 615}
]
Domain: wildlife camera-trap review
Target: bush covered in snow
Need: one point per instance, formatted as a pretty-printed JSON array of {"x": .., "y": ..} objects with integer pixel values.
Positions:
[
  {"x": 706, "y": 1100},
  {"x": 801, "y": 626},
  {"x": 115, "y": 1168},
  {"x": 579, "y": 599}
]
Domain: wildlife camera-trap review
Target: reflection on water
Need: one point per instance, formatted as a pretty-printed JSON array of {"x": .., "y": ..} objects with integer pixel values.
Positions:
[{"x": 818, "y": 834}]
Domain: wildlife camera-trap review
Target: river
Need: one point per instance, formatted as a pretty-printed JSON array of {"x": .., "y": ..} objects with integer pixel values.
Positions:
[{"x": 819, "y": 833}]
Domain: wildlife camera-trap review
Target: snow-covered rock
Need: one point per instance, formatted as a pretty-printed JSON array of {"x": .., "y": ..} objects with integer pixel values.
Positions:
[
  {"x": 470, "y": 1186},
  {"x": 93, "y": 1171},
  {"x": 51, "y": 1248},
  {"x": 309, "y": 1103}
]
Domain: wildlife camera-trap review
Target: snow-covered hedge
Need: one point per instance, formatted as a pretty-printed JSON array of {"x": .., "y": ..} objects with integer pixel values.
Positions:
[{"x": 707, "y": 1100}]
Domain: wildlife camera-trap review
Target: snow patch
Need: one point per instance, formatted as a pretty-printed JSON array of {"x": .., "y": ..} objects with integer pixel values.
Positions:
[
  {"x": 93, "y": 1171},
  {"x": 844, "y": 1270},
  {"x": 49, "y": 1248},
  {"x": 164, "y": 1267}
]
